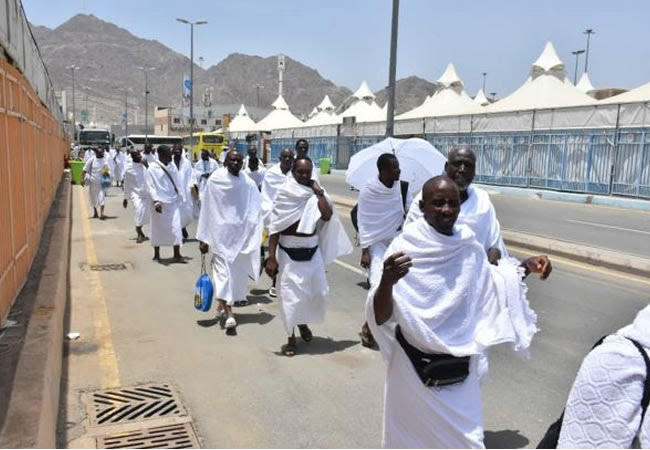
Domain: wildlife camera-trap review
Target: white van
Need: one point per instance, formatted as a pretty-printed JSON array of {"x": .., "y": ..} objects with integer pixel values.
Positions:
[{"x": 138, "y": 140}]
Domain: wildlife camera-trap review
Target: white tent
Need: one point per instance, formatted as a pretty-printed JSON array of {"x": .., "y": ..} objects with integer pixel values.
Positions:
[
  {"x": 313, "y": 112},
  {"x": 449, "y": 99},
  {"x": 326, "y": 104},
  {"x": 640, "y": 94},
  {"x": 364, "y": 108},
  {"x": 585, "y": 84},
  {"x": 480, "y": 98},
  {"x": 547, "y": 87},
  {"x": 242, "y": 122},
  {"x": 279, "y": 117}
]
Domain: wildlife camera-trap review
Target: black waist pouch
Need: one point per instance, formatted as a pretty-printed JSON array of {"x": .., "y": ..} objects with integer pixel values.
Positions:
[
  {"x": 300, "y": 254},
  {"x": 435, "y": 369}
]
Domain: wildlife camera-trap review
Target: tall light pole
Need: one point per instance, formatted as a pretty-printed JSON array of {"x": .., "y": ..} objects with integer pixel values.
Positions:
[
  {"x": 588, "y": 32},
  {"x": 72, "y": 68},
  {"x": 191, "y": 24},
  {"x": 577, "y": 53},
  {"x": 484, "y": 77},
  {"x": 258, "y": 87},
  {"x": 390, "y": 110},
  {"x": 146, "y": 104},
  {"x": 201, "y": 61}
]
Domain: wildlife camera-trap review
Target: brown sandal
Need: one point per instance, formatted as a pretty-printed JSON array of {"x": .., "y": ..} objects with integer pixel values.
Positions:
[
  {"x": 289, "y": 350},
  {"x": 367, "y": 340},
  {"x": 305, "y": 333}
]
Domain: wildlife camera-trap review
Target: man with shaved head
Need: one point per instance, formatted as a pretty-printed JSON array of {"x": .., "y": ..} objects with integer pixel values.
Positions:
[
  {"x": 438, "y": 305},
  {"x": 305, "y": 235},
  {"x": 229, "y": 224},
  {"x": 167, "y": 196},
  {"x": 476, "y": 209}
]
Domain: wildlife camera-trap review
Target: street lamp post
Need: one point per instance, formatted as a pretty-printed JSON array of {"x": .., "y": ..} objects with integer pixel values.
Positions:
[
  {"x": 577, "y": 53},
  {"x": 191, "y": 24},
  {"x": 588, "y": 32},
  {"x": 146, "y": 104},
  {"x": 258, "y": 87},
  {"x": 484, "y": 77},
  {"x": 390, "y": 110},
  {"x": 74, "y": 116}
]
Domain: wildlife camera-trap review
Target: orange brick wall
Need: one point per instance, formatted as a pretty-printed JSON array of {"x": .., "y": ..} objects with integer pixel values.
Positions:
[{"x": 32, "y": 147}]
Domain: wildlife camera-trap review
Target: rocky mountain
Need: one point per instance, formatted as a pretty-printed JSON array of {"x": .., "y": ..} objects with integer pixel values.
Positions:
[
  {"x": 409, "y": 93},
  {"x": 109, "y": 58}
]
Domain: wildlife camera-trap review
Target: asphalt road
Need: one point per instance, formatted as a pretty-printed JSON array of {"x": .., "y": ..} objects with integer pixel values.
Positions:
[
  {"x": 139, "y": 326},
  {"x": 623, "y": 230}
]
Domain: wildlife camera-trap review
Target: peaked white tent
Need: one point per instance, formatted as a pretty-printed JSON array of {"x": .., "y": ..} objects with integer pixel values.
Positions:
[
  {"x": 480, "y": 98},
  {"x": 585, "y": 84},
  {"x": 313, "y": 112},
  {"x": 326, "y": 104},
  {"x": 449, "y": 99},
  {"x": 364, "y": 108},
  {"x": 547, "y": 87},
  {"x": 279, "y": 117},
  {"x": 640, "y": 94},
  {"x": 242, "y": 122}
]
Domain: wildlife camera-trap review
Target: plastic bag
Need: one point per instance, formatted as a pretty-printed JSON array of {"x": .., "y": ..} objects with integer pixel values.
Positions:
[{"x": 203, "y": 289}]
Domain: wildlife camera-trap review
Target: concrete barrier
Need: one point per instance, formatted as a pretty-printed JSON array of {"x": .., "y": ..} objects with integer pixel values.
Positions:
[{"x": 33, "y": 408}]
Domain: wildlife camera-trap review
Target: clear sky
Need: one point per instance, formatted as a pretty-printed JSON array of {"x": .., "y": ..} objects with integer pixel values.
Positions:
[{"x": 347, "y": 41}]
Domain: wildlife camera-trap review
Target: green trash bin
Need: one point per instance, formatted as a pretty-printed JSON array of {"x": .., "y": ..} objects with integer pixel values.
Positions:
[
  {"x": 325, "y": 166},
  {"x": 76, "y": 168}
]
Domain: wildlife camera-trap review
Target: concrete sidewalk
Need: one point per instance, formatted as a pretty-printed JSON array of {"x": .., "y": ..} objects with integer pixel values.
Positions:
[{"x": 582, "y": 253}]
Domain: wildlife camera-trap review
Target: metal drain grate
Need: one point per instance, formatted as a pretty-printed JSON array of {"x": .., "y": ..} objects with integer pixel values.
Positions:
[
  {"x": 169, "y": 436},
  {"x": 135, "y": 404},
  {"x": 107, "y": 267}
]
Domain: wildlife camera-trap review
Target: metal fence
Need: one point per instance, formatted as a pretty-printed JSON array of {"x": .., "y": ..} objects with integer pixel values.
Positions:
[{"x": 593, "y": 161}]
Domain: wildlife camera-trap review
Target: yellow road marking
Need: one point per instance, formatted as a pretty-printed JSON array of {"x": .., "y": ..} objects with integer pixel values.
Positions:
[
  {"x": 583, "y": 266},
  {"x": 95, "y": 291}
]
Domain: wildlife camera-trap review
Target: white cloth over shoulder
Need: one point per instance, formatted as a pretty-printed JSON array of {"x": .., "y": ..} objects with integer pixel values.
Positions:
[
  {"x": 381, "y": 212},
  {"x": 604, "y": 405},
  {"x": 189, "y": 209},
  {"x": 202, "y": 171},
  {"x": 477, "y": 212},
  {"x": 295, "y": 202},
  {"x": 452, "y": 301},
  {"x": 273, "y": 179},
  {"x": 256, "y": 175},
  {"x": 163, "y": 183},
  {"x": 135, "y": 189},
  {"x": 229, "y": 221},
  {"x": 94, "y": 169}
]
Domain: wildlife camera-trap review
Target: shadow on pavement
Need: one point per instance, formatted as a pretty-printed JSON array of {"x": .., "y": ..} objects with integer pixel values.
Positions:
[
  {"x": 505, "y": 439},
  {"x": 207, "y": 323},
  {"x": 260, "y": 318},
  {"x": 320, "y": 346},
  {"x": 171, "y": 261}
]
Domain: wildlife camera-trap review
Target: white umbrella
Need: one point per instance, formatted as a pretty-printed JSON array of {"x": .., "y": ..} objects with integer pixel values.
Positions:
[{"x": 418, "y": 161}]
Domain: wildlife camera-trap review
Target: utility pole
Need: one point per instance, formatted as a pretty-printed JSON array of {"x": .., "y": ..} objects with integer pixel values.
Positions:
[
  {"x": 493, "y": 95},
  {"x": 146, "y": 99},
  {"x": 577, "y": 54},
  {"x": 74, "y": 116},
  {"x": 588, "y": 32},
  {"x": 484, "y": 77},
  {"x": 191, "y": 24},
  {"x": 258, "y": 87},
  {"x": 390, "y": 110},
  {"x": 126, "y": 114}
]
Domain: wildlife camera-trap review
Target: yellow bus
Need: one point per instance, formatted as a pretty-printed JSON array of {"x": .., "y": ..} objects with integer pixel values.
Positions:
[{"x": 212, "y": 142}]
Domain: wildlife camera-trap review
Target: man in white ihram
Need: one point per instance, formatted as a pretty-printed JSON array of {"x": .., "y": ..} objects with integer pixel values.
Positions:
[
  {"x": 135, "y": 189},
  {"x": 230, "y": 224},
  {"x": 96, "y": 167},
  {"x": 438, "y": 305},
  {"x": 162, "y": 183},
  {"x": 305, "y": 235},
  {"x": 380, "y": 217}
]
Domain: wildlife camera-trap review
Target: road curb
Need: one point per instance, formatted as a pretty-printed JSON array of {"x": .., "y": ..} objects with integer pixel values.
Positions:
[
  {"x": 577, "y": 252},
  {"x": 33, "y": 407}
]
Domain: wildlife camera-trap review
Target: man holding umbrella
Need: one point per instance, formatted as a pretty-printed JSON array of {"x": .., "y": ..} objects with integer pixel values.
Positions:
[{"x": 382, "y": 208}]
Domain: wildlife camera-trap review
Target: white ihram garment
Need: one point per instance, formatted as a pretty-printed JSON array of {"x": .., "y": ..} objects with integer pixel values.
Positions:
[
  {"x": 230, "y": 224},
  {"x": 256, "y": 175},
  {"x": 204, "y": 168},
  {"x": 477, "y": 212},
  {"x": 94, "y": 168},
  {"x": 302, "y": 285},
  {"x": 149, "y": 157},
  {"x": 166, "y": 227},
  {"x": 135, "y": 190},
  {"x": 604, "y": 405},
  {"x": 273, "y": 179},
  {"x": 380, "y": 217},
  {"x": 452, "y": 301},
  {"x": 189, "y": 209}
]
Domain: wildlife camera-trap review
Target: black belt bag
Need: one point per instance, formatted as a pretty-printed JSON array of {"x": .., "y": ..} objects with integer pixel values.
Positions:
[
  {"x": 300, "y": 254},
  {"x": 435, "y": 369}
]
